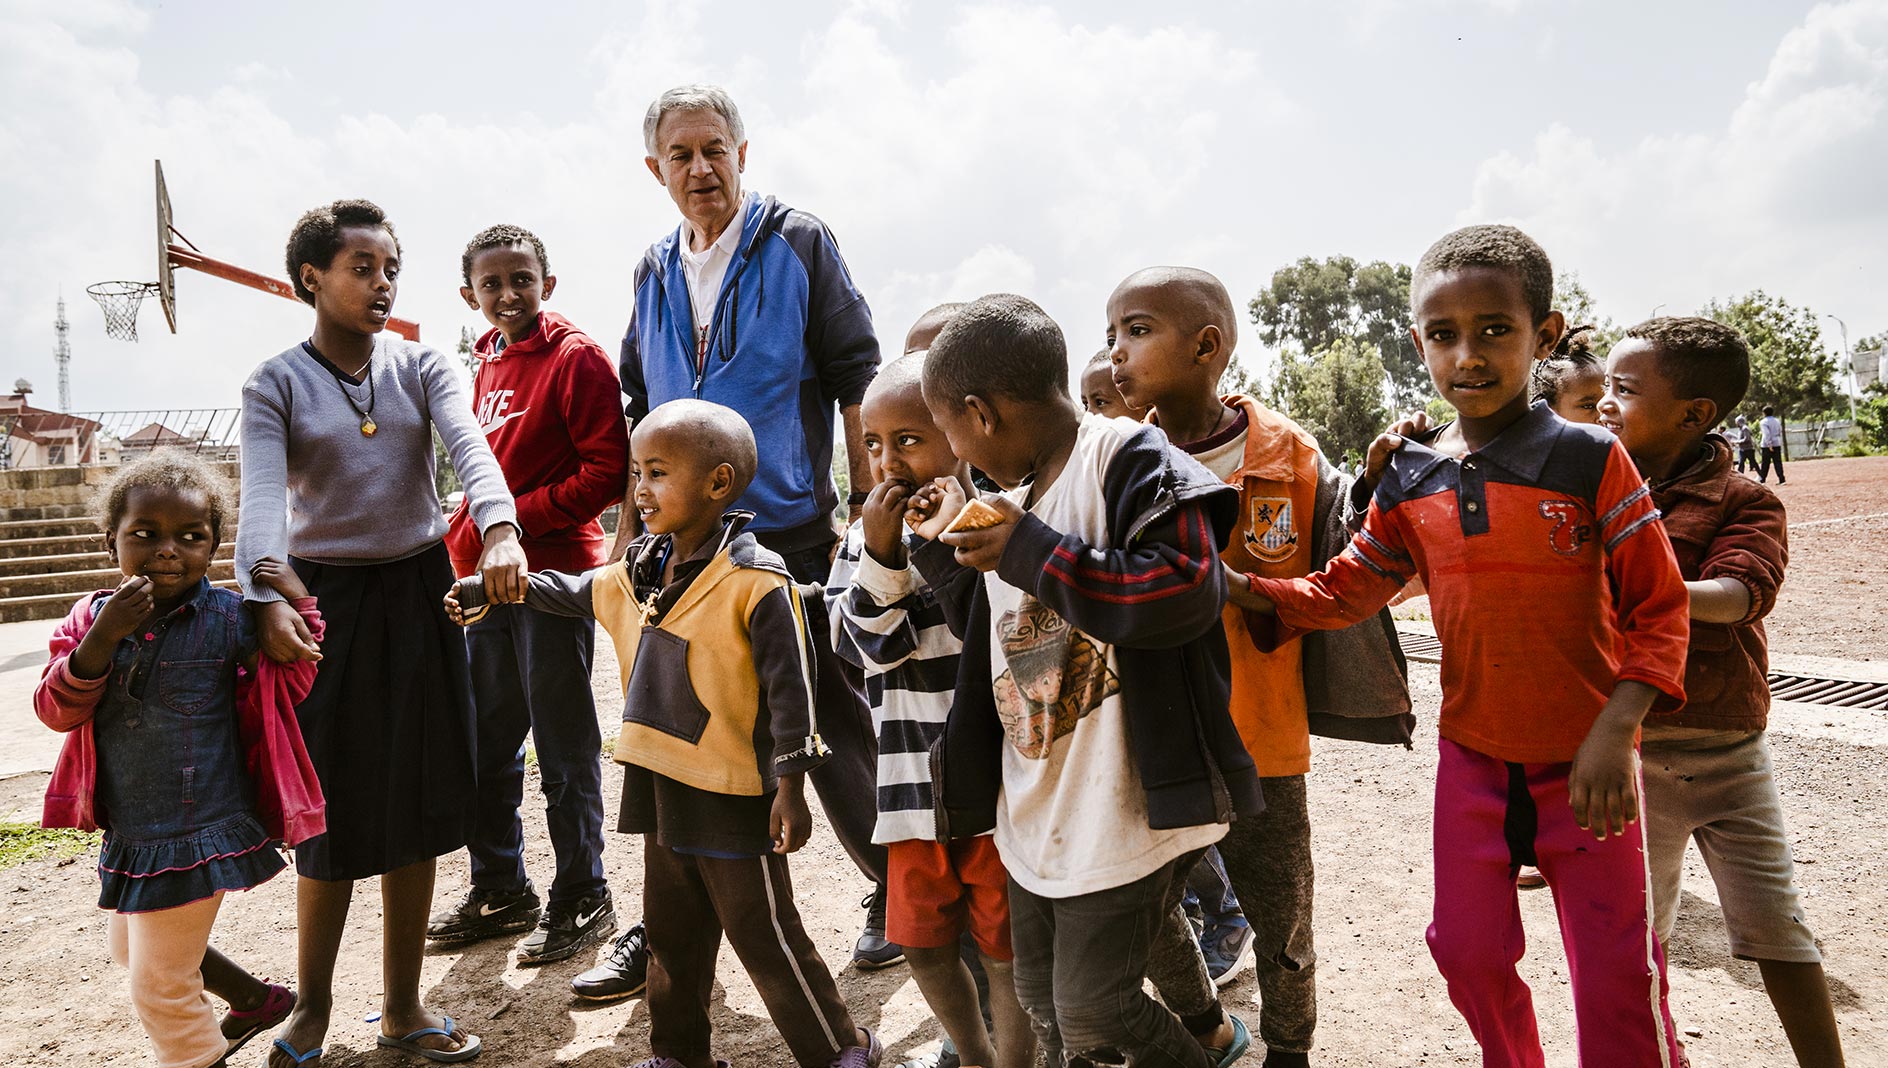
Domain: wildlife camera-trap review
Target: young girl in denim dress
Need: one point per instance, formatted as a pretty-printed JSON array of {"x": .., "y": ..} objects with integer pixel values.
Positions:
[{"x": 143, "y": 681}]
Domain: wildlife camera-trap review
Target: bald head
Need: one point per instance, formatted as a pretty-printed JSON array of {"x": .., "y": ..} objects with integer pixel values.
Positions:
[
  {"x": 898, "y": 378},
  {"x": 700, "y": 432},
  {"x": 926, "y": 329},
  {"x": 1192, "y": 298}
]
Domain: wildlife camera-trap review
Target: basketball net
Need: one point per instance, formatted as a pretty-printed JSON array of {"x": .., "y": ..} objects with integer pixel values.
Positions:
[{"x": 119, "y": 301}]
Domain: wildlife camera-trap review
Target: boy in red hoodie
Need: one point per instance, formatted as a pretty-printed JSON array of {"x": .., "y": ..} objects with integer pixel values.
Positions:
[{"x": 546, "y": 396}]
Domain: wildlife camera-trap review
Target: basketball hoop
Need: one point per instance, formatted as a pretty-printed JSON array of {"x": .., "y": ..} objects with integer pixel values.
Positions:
[{"x": 119, "y": 301}]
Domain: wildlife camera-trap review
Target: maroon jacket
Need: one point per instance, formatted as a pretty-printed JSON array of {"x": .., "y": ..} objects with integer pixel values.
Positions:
[
  {"x": 548, "y": 405},
  {"x": 1724, "y": 525}
]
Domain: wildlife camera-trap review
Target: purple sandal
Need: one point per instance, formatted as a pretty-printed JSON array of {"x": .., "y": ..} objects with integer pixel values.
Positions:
[{"x": 273, "y": 1010}]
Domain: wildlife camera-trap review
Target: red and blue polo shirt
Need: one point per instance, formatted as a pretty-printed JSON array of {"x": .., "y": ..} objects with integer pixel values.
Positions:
[{"x": 1550, "y": 580}]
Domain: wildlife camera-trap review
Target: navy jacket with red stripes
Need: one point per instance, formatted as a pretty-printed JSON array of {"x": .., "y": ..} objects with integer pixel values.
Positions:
[{"x": 1156, "y": 597}]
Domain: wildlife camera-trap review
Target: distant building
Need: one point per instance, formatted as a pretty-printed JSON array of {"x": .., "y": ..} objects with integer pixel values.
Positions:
[
  {"x": 35, "y": 437},
  {"x": 157, "y": 436}
]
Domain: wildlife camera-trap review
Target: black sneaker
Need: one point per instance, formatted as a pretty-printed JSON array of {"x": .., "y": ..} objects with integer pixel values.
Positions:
[
  {"x": 872, "y": 950},
  {"x": 485, "y": 914},
  {"x": 568, "y": 927},
  {"x": 624, "y": 971}
]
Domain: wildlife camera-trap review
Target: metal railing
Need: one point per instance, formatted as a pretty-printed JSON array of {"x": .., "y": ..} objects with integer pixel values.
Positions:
[{"x": 61, "y": 439}]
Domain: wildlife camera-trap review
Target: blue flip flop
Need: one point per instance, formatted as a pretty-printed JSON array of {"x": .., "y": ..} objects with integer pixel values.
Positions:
[
  {"x": 1241, "y": 1042},
  {"x": 296, "y": 1055},
  {"x": 410, "y": 1044}
]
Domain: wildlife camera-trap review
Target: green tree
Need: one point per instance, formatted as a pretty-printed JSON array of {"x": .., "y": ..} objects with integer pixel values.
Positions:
[
  {"x": 1572, "y": 300},
  {"x": 445, "y": 478},
  {"x": 1340, "y": 397},
  {"x": 1788, "y": 366},
  {"x": 1871, "y": 419},
  {"x": 1312, "y": 304}
]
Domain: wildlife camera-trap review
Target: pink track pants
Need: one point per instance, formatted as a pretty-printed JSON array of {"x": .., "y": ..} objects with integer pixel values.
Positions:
[{"x": 1493, "y": 816}]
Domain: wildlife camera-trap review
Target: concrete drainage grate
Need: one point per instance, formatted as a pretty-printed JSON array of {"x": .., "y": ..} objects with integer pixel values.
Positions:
[
  {"x": 1841, "y": 693},
  {"x": 1804, "y": 689}
]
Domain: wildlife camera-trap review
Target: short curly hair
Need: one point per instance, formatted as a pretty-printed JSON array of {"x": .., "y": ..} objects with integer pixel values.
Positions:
[
  {"x": 317, "y": 237},
  {"x": 1699, "y": 357},
  {"x": 170, "y": 469},
  {"x": 1572, "y": 354},
  {"x": 504, "y": 235},
  {"x": 1501, "y": 247},
  {"x": 997, "y": 345}
]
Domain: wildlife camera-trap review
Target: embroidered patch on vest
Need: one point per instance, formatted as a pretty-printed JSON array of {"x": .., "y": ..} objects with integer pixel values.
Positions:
[{"x": 1271, "y": 534}]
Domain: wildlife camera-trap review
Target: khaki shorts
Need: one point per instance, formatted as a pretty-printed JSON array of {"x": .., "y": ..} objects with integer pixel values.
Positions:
[{"x": 1716, "y": 788}]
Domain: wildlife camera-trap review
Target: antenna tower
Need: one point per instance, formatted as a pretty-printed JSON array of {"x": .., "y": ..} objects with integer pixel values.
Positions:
[{"x": 62, "y": 355}]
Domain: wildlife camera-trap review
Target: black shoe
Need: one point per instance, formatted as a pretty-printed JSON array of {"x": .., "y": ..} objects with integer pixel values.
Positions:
[
  {"x": 624, "y": 971},
  {"x": 872, "y": 950},
  {"x": 485, "y": 914},
  {"x": 568, "y": 927}
]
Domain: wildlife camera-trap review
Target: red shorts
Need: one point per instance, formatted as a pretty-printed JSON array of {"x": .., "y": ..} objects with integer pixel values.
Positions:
[{"x": 934, "y": 890}]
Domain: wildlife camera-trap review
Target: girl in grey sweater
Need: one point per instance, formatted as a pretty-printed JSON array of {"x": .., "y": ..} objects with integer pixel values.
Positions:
[{"x": 337, "y": 476}]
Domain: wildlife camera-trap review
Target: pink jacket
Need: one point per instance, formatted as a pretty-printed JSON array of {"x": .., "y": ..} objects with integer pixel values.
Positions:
[{"x": 66, "y": 703}]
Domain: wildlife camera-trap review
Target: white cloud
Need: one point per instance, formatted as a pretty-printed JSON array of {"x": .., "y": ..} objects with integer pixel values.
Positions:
[{"x": 1785, "y": 195}]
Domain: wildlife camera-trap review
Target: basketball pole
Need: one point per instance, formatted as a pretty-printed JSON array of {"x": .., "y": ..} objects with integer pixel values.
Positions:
[{"x": 229, "y": 272}]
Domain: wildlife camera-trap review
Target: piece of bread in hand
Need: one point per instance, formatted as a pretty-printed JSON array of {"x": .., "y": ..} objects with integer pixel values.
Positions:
[{"x": 975, "y": 516}]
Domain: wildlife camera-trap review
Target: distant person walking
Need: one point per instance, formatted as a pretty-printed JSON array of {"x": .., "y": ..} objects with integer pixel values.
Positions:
[
  {"x": 1744, "y": 442},
  {"x": 1770, "y": 441}
]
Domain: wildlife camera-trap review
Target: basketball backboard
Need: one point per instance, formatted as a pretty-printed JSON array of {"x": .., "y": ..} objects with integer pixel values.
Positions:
[{"x": 166, "y": 284}]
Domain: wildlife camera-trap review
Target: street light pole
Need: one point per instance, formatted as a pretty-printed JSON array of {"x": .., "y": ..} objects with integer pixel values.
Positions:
[{"x": 1848, "y": 366}]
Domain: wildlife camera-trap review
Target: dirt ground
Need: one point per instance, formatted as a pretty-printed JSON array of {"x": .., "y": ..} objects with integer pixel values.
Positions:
[{"x": 1382, "y": 1002}]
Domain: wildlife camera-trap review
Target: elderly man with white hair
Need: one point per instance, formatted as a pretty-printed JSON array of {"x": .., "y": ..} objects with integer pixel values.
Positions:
[{"x": 748, "y": 303}]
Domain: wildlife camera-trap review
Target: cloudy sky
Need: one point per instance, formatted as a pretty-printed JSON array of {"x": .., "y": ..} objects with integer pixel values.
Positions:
[{"x": 1669, "y": 153}]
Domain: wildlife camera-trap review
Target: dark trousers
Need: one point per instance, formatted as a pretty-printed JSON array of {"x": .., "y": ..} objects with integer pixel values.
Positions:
[
  {"x": 847, "y": 783},
  {"x": 1746, "y": 460},
  {"x": 531, "y": 671},
  {"x": 1772, "y": 454},
  {"x": 1080, "y": 964},
  {"x": 1268, "y": 857},
  {"x": 688, "y": 901},
  {"x": 1210, "y": 894}
]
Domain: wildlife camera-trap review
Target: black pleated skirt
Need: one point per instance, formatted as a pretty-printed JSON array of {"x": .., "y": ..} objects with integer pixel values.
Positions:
[{"x": 389, "y": 724}]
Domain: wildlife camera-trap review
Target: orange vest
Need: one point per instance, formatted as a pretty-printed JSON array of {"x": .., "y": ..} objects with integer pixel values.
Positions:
[{"x": 1278, "y": 493}]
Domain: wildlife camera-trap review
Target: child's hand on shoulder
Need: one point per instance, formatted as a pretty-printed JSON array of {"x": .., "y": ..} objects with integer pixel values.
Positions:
[
  {"x": 280, "y": 577},
  {"x": 1413, "y": 425},
  {"x": 935, "y": 505},
  {"x": 789, "y": 823},
  {"x": 982, "y": 548},
  {"x": 884, "y": 521},
  {"x": 129, "y": 605}
]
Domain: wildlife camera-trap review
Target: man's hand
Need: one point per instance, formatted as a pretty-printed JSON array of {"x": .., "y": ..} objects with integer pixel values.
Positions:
[
  {"x": 1239, "y": 590},
  {"x": 1603, "y": 787},
  {"x": 982, "y": 549},
  {"x": 279, "y": 577},
  {"x": 858, "y": 463},
  {"x": 789, "y": 823},
  {"x": 1412, "y": 425},
  {"x": 884, "y": 525},
  {"x": 502, "y": 565},
  {"x": 285, "y": 636}
]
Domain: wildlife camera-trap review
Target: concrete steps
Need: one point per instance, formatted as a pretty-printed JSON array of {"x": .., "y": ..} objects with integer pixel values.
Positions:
[
  {"x": 56, "y": 605},
  {"x": 51, "y": 550}
]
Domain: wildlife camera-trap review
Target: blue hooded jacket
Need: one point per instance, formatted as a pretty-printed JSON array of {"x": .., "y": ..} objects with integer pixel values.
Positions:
[{"x": 791, "y": 339}]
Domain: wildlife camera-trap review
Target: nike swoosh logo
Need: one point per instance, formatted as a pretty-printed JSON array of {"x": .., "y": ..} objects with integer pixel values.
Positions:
[
  {"x": 487, "y": 910},
  {"x": 502, "y": 420},
  {"x": 584, "y": 921}
]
